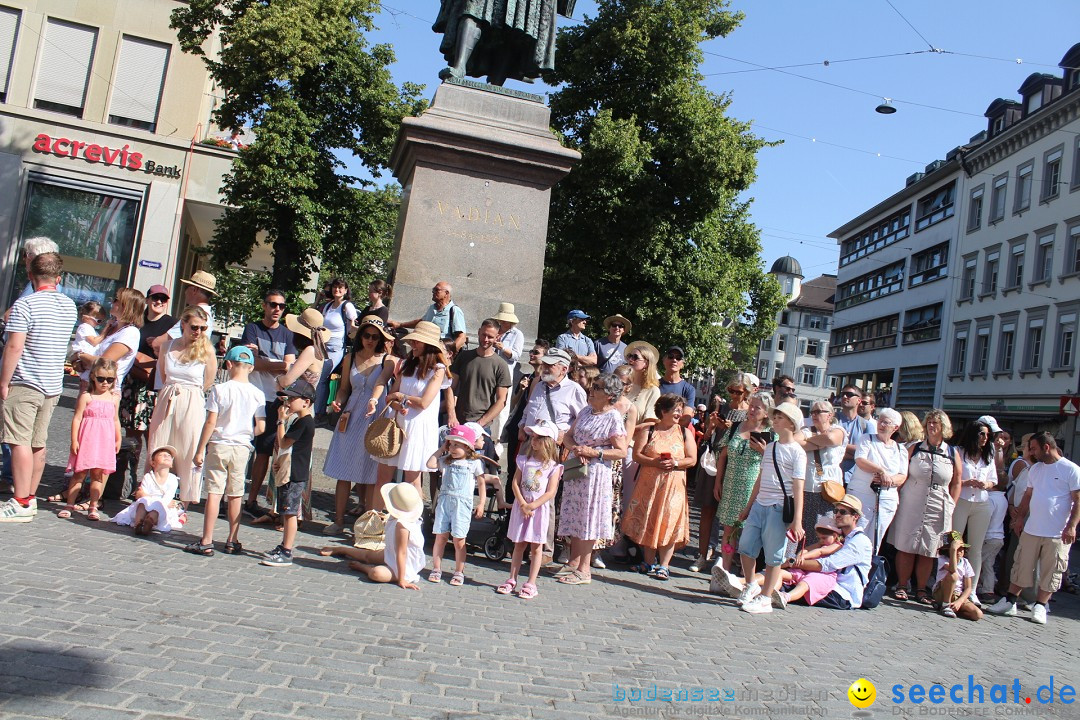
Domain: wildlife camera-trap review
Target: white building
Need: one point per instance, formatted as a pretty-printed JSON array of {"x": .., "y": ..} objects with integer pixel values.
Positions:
[
  {"x": 1013, "y": 331},
  {"x": 892, "y": 290},
  {"x": 799, "y": 347}
]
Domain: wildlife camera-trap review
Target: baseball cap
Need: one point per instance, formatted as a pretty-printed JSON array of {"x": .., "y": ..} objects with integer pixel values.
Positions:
[
  {"x": 543, "y": 429},
  {"x": 990, "y": 422},
  {"x": 675, "y": 348},
  {"x": 299, "y": 388},
  {"x": 240, "y": 354},
  {"x": 577, "y": 315},
  {"x": 158, "y": 290},
  {"x": 556, "y": 356}
]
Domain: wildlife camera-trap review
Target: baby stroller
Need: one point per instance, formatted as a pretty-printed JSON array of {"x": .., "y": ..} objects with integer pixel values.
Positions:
[{"x": 488, "y": 533}]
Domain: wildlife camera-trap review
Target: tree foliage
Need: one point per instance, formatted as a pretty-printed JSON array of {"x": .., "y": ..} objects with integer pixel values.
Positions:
[
  {"x": 303, "y": 76},
  {"x": 650, "y": 223}
]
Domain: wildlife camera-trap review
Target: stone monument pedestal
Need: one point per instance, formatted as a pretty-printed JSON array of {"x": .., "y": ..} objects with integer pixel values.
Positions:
[{"x": 476, "y": 169}]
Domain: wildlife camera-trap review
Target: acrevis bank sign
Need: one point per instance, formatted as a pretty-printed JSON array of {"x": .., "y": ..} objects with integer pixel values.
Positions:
[{"x": 122, "y": 157}]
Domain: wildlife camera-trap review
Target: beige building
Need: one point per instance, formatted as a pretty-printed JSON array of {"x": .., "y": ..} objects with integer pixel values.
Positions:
[{"x": 101, "y": 122}]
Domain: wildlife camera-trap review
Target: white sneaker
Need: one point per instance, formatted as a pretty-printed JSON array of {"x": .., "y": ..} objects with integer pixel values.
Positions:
[
  {"x": 724, "y": 583},
  {"x": 33, "y": 505},
  {"x": 758, "y": 606},
  {"x": 975, "y": 599},
  {"x": 749, "y": 593},
  {"x": 13, "y": 512},
  {"x": 779, "y": 599},
  {"x": 698, "y": 564},
  {"x": 1038, "y": 614},
  {"x": 598, "y": 562},
  {"x": 1004, "y": 607}
]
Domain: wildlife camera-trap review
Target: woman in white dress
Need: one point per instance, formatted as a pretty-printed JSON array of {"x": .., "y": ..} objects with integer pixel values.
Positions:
[
  {"x": 415, "y": 398},
  {"x": 339, "y": 317},
  {"x": 881, "y": 468},
  {"x": 346, "y": 460}
]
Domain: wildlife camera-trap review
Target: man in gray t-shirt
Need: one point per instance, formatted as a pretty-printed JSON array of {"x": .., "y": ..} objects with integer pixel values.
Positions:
[{"x": 481, "y": 382}]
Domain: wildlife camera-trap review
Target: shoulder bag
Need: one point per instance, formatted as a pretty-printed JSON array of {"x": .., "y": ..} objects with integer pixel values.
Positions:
[
  {"x": 384, "y": 437},
  {"x": 831, "y": 491},
  {"x": 789, "y": 501}
]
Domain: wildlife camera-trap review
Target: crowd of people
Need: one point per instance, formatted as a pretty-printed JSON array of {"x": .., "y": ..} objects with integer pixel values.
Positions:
[{"x": 603, "y": 442}]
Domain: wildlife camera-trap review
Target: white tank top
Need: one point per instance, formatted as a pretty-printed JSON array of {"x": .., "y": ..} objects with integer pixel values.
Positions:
[{"x": 177, "y": 373}]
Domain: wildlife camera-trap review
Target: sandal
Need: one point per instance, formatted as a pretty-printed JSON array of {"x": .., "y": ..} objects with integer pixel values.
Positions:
[
  {"x": 59, "y": 498},
  {"x": 507, "y": 587},
  {"x": 92, "y": 514},
  {"x": 197, "y": 548},
  {"x": 66, "y": 512},
  {"x": 233, "y": 548},
  {"x": 435, "y": 576},
  {"x": 661, "y": 573},
  {"x": 575, "y": 578},
  {"x": 457, "y": 579},
  {"x": 528, "y": 591},
  {"x": 900, "y": 594},
  {"x": 643, "y": 567},
  {"x": 948, "y": 612},
  {"x": 565, "y": 569},
  {"x": 82, "y": 507},
  {"x": 923, "y": 598}
]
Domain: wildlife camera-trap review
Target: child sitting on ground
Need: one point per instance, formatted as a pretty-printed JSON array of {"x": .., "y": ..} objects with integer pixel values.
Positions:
[
  {"x": 815, "y": 585},
  {"x": 404, "y": 541},
  {"x": 456, "y": 460},
  {"x": 155, "y": 506},
  {"x": 953, "y": 586}
]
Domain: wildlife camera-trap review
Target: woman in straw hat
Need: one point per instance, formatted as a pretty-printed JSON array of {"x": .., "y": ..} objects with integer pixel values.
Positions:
[
  {"x": 346, "y": 460},
  {"x": 415, "y": 397},
  {"x": 309, "y": 337},
  {"x": 402, "y": 559}
]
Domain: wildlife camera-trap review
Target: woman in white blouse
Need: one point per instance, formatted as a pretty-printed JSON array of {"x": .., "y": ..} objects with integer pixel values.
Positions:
[
  {"x": 122, "y": 335},
  {"x": 881, "y": 466},
  {"x": 979, "y": 474}
]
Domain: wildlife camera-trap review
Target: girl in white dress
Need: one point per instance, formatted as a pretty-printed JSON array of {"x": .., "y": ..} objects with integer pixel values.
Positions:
[
  {"x": 418, "y": 382},
  {"x": 154, "y": 507}
]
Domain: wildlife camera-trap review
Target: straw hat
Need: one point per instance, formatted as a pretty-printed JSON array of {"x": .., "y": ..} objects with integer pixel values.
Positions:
[
  {"x": 618, "y": 318},
  {"x": 639, "y": 344},
  {"x": 427, "y": 333},
  {"x": 204, "y": 280},
  {"x": 376, "y": 322},
  {"x": 506, "y": 313},
  {"x": 307, "y": 323},
  {"x": 852, "y": 502},
  {"x": 167, "y": 448},
  {"x": 402, "y": 501}
]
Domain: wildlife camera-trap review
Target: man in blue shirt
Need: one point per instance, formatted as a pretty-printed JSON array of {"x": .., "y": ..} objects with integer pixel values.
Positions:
[
  {"x": 851, "y": 563},
  {"x": 855, "y": 426},
  {"x": 574, "y": 341},
  {"x": 444, "y": 313},
  {"x": 609, "y": 350},
  {"x": 673, "y": 382}
]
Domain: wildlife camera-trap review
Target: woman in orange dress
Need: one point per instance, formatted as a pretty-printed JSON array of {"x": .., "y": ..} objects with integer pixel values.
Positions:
[{"x": 657, "y": 517}]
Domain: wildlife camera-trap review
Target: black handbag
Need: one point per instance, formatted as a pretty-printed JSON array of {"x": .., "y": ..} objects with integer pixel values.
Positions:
[{"x": 789, "y": 501}]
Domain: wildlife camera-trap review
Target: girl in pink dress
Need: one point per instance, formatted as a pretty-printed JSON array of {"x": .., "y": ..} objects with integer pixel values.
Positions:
[
  {"x": 535, "y": 484},
  {"x": 95, "y": 437}
]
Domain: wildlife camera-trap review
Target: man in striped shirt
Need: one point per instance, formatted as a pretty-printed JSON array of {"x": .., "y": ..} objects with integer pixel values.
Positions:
[{"x": 31, "y": 379}]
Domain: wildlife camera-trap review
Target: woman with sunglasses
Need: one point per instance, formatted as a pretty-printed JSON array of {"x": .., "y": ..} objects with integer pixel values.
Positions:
[
  {"x": 186, "y": 368},
  {"x": 121, "y": 337},
  {"x": 823, "y": 443},
  {"x": 346, "y": 460},
  {"x": 971, "y": 517}
]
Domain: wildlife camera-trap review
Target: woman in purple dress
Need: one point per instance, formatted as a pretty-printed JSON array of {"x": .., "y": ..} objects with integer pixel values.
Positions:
[{"x": 596, "y": 439}]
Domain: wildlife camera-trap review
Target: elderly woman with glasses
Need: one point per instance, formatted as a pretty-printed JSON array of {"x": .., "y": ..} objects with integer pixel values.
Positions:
[
  {"x": 881, "y": 468},
  {"x": 824, "y": 446},
  {"x": 595, "y": 440}
]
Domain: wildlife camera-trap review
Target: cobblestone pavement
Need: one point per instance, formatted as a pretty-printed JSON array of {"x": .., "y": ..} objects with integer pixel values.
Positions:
[{"x": 100, "y": 624}]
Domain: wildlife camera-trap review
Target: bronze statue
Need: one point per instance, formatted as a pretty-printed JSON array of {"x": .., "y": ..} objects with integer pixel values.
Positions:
[{"x": 499, "y": 38}]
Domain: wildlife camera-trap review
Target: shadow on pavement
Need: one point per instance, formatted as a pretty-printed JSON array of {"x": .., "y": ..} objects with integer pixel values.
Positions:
[{"x": 31, "y": 670}]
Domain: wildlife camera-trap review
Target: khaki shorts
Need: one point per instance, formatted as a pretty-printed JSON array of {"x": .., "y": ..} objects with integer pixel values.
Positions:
[
  {"x": 1050, "y": 555},
  {"x": 225, "y": 468},
  {"x": 27, "y": 413}
]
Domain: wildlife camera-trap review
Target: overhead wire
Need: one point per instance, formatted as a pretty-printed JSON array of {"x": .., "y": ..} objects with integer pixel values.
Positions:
[{"x": 915, "y": 29}]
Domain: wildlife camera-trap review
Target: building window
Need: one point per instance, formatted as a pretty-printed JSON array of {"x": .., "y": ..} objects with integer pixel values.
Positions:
[
  {"x": 997, "y": 199},
  {"x": 959, "y": 358},
  {"x": 784, "y": 318},
  {"x": 766, "y": 344},
  {"x": 1076, "y": 154},
  {"x": 980, "y": 359},
  {"x": 990, "y": 273},
  {"x": 64, "y": 70},
  {"x": 922, "y": 324},
  {"x": 967, "y": 280},
  {"x": 1034, "y": 347},
  {"x": 1072, "y": 259},
  {"x": 9, "y": 33},
  {"x": 935, "y": 207},
  {"x": 1052, "y": 174},
  {"x": 815, "y": 322},
  {"x": 813, "y": 348},
  {"x": 1006, "y": 347},
  {"x": 975, "y": 207},
  {"x": 95, "y": 232},
  {"x": 779, "y": 370},
  {"x": 1023, "y": 187},
  {"x": 140, "y": 75},
  {"x": 1065, "y": 347},
  {"x": 871, "y": 286},
  {"x": 880, "y": 333},
  {"x": 808, "y": 375},
  {"x": 781, "y": 343},
  {"x": 1016, "y": 265},
  {"x": 873, "y": 239},
  {"x": 1044, "y": 259},
  {"x": 763, "y": 369},
  {"x": 930, "y": 264}
]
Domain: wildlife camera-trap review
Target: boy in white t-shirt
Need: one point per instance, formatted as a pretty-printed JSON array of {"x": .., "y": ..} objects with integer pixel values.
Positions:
[
  {"x": 226, "y": 447},
  {"x": 783, "y": 473}
]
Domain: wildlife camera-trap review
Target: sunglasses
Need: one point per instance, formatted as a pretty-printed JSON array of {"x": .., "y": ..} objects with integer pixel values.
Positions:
[
  {"x": 159, "y": 298},
  {"x": 849, "y": 394},
  {"x": 111, "y": 379},
  {"x": 634, "y": 357},
  {"x": 844, "y": 511},
  {"x": 198, "y": 328},
  {"x": 867, "y": 402},
  {"x": 673, "y": 356},
  {"x": 275, "y": 305},
  {"x": 736, "y": 391},
  {"x": 370, "y": 336},
  {"x": 617, "y": 325}
]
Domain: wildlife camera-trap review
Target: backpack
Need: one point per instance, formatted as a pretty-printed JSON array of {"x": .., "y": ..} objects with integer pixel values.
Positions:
[{"x": 874, "y": 584}]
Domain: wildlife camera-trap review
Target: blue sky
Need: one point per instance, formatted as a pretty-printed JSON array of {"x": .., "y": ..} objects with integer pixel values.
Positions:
[{"x": 839, "y": 157}]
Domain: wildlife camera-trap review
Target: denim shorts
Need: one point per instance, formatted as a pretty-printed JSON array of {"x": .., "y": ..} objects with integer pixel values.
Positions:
[{"x": 766, "y": 530}]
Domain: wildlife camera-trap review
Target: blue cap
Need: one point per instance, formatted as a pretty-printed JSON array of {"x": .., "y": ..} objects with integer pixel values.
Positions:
[
  {"x": 577, "y": 315},
  {"x": 240, "y": 354}
]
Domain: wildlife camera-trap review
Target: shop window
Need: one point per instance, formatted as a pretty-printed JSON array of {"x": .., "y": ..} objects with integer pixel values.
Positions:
[
  {"x": 9, "y": 33},
  {"x": 95, "y": 230},
  {"x": 64, "y": 71},
  {"x": 140, "y": 75}
]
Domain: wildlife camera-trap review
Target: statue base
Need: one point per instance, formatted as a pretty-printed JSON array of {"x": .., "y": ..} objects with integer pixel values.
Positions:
[{"x": 476, "y": 169}]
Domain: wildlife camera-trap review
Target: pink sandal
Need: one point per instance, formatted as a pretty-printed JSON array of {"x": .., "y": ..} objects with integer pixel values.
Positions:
[
  {"x": 528, "y": 591},
  {"x": 507, "y": 587}
]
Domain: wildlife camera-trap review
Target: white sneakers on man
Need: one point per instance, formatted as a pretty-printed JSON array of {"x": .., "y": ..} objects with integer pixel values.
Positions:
[
  {"x": 1038, "y": 614},
  {"x": 13, "y": 512},
  {"x": 759, "y": 605},
  {"x": 1003, "y": 607}
]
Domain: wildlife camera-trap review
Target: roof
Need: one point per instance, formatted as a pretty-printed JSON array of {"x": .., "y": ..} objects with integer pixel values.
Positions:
[
  {"x": 787, "y": 265},
  {"x": 816, "y": 294}
]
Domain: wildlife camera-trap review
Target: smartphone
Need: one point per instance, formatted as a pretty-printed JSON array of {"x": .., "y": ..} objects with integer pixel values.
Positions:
[
  {"x": 761, "y": 436},
  {"x": 798, "y": 547}
]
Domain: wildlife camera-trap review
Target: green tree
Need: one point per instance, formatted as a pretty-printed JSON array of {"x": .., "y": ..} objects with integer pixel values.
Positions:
[
  {"x": 373, "y": 216},
  {"x": 303, "y": 76},
  {"x": 650, "y": 223}
]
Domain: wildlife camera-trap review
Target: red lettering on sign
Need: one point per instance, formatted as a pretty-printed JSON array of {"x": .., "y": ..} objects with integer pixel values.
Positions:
[
  {"x": 42, "y": 143},
  {"x": 109, "y": 155},
  {"x": 75, "y": 146},
  {"x": 93, "y": 153},
  {"x": 56, "y": 146},
  {"x": 134, "y": 161}
]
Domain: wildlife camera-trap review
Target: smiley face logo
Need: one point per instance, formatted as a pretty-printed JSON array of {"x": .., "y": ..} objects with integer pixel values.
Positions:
[{"x": 862, "y": 693}]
